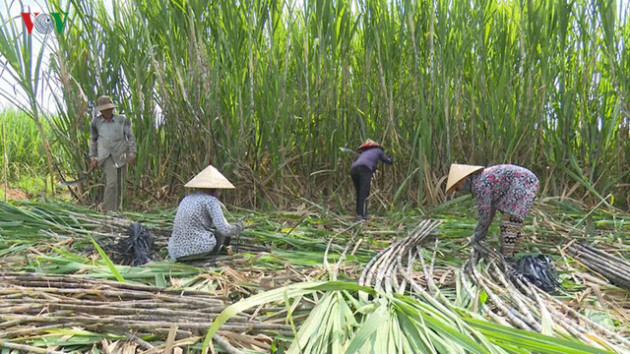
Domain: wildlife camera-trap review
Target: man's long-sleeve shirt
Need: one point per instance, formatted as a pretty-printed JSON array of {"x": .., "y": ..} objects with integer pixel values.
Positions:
[{"x": 114, "y": 138}]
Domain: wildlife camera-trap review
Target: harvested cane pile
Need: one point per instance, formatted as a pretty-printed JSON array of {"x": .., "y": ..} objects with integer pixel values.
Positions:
[
  {"x": 55, "y": 312},
  {"x": 514, "y": 301},
  {"x": 510, "y": 299},
  {"x": 31, "y": 305},
  {"x": 615, "y": 269},
  {"x": 387, "y": 268}
]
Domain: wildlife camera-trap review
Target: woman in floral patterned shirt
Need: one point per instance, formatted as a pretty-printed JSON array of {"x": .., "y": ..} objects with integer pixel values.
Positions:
[{"x": 509, "y": 189}]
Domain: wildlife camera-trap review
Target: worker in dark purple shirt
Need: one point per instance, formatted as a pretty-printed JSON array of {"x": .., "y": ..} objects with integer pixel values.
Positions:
[{"x": 370, "y": 152}]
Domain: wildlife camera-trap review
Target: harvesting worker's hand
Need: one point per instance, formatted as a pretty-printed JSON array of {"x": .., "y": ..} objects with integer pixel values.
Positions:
[
  {"x": 93, "y": 164},
  {"x": 131, "y": 161},
  {"x": 240, "y": 225}
]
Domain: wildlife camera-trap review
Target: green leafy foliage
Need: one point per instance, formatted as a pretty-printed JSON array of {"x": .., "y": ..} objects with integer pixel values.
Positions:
[{"x": 269, "y": 91}]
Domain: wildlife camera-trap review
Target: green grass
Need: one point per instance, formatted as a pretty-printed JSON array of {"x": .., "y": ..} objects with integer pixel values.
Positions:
[
  {"x": 21, "y": 154},
  {"x": 23, "y": 144},
  {"x": 22, "y": 157}
]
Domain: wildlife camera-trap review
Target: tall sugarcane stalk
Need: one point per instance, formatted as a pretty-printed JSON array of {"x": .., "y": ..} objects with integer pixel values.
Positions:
[{"x": 411, "y": 74}]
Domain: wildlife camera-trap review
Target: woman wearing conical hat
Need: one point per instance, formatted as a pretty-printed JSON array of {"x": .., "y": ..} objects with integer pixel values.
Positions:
[
  {"x": 370, "y": 152},
  {"x": 509, "y": 189},
  {"x": 200, "y": 227}
]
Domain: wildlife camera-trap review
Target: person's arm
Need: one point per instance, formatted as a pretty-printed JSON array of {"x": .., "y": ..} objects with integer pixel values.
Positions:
[
  {"x": 386, "y": 158},
  {"x": 93, "y": 153},
  {"x": 131, "y": 139},
  {"x": 486, "y": 214},
  {"x": 222, "y": 226}
]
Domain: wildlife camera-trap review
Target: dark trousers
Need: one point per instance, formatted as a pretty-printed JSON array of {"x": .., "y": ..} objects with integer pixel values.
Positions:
[
  {"x": 361, "y": 177},
  {"x": 221, "y": 241}
]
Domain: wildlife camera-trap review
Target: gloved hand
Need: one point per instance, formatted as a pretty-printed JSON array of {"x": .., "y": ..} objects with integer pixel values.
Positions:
[{"x": 239, "y": 225}]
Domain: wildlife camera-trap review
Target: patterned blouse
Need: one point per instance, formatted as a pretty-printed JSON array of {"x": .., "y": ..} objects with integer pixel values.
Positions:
[
  {"x": 510, "y": 189},
  {"x": 198, "y": 217}
]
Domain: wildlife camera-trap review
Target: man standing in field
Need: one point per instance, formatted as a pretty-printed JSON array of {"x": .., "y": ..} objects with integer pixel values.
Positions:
[
  {"x": 509, "y": 189},
  {"x": 112, "y": 146}
]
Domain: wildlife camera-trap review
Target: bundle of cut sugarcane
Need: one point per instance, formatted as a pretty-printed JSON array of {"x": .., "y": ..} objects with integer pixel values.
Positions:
[
  {"x": 507, "y": 299},
  {"x": 615, "y": 269},
  {"x": 385, "y": 268},
  {"x": 32, "y": 304},
  {"x": 514, "y": 301}
]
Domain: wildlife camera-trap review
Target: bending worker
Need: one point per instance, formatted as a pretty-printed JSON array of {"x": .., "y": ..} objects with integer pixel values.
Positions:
[
  {"x": 370, "y": 152},
  {"x": 509, "y": 189},
  {"x": 200, "y": 229}
]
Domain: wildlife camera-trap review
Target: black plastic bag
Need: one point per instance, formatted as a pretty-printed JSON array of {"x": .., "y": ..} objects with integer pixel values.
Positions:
[
  {"x": 135, "y": 250},
  {"x": 539, "y": 270}
]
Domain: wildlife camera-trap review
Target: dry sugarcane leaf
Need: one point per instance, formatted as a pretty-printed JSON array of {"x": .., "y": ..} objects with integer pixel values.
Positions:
[
  {"x": 107, "y": 346},
  {"x": 128, "y": 348},
  {"x": 170, "y": 339},
  {"x": 234, "y": 275}
]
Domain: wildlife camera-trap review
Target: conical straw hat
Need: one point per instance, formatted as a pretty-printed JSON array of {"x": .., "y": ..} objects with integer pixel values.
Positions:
[
  {"x": 209, "y": 178},
  {"x": 459, "y": 172},
  {"x": 368, "y": 144}
]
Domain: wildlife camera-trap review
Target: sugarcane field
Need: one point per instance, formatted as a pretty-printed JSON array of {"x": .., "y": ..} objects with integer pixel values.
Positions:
[{"x": 325, "y": 176}]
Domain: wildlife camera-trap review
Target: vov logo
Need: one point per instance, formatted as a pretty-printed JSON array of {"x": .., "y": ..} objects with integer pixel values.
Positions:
[{"x": 44, "y": 23}]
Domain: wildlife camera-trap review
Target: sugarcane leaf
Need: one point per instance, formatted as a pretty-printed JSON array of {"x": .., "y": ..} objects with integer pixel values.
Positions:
[
  {"x": 70, "y": 255},
  {"x": 531, "y": 340},
  {"x": 483, "y": 297},
  {"x": 277, "y": 295},
  {"x": 372, "y": 322},
  {"x": 110, "y": 264}
]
